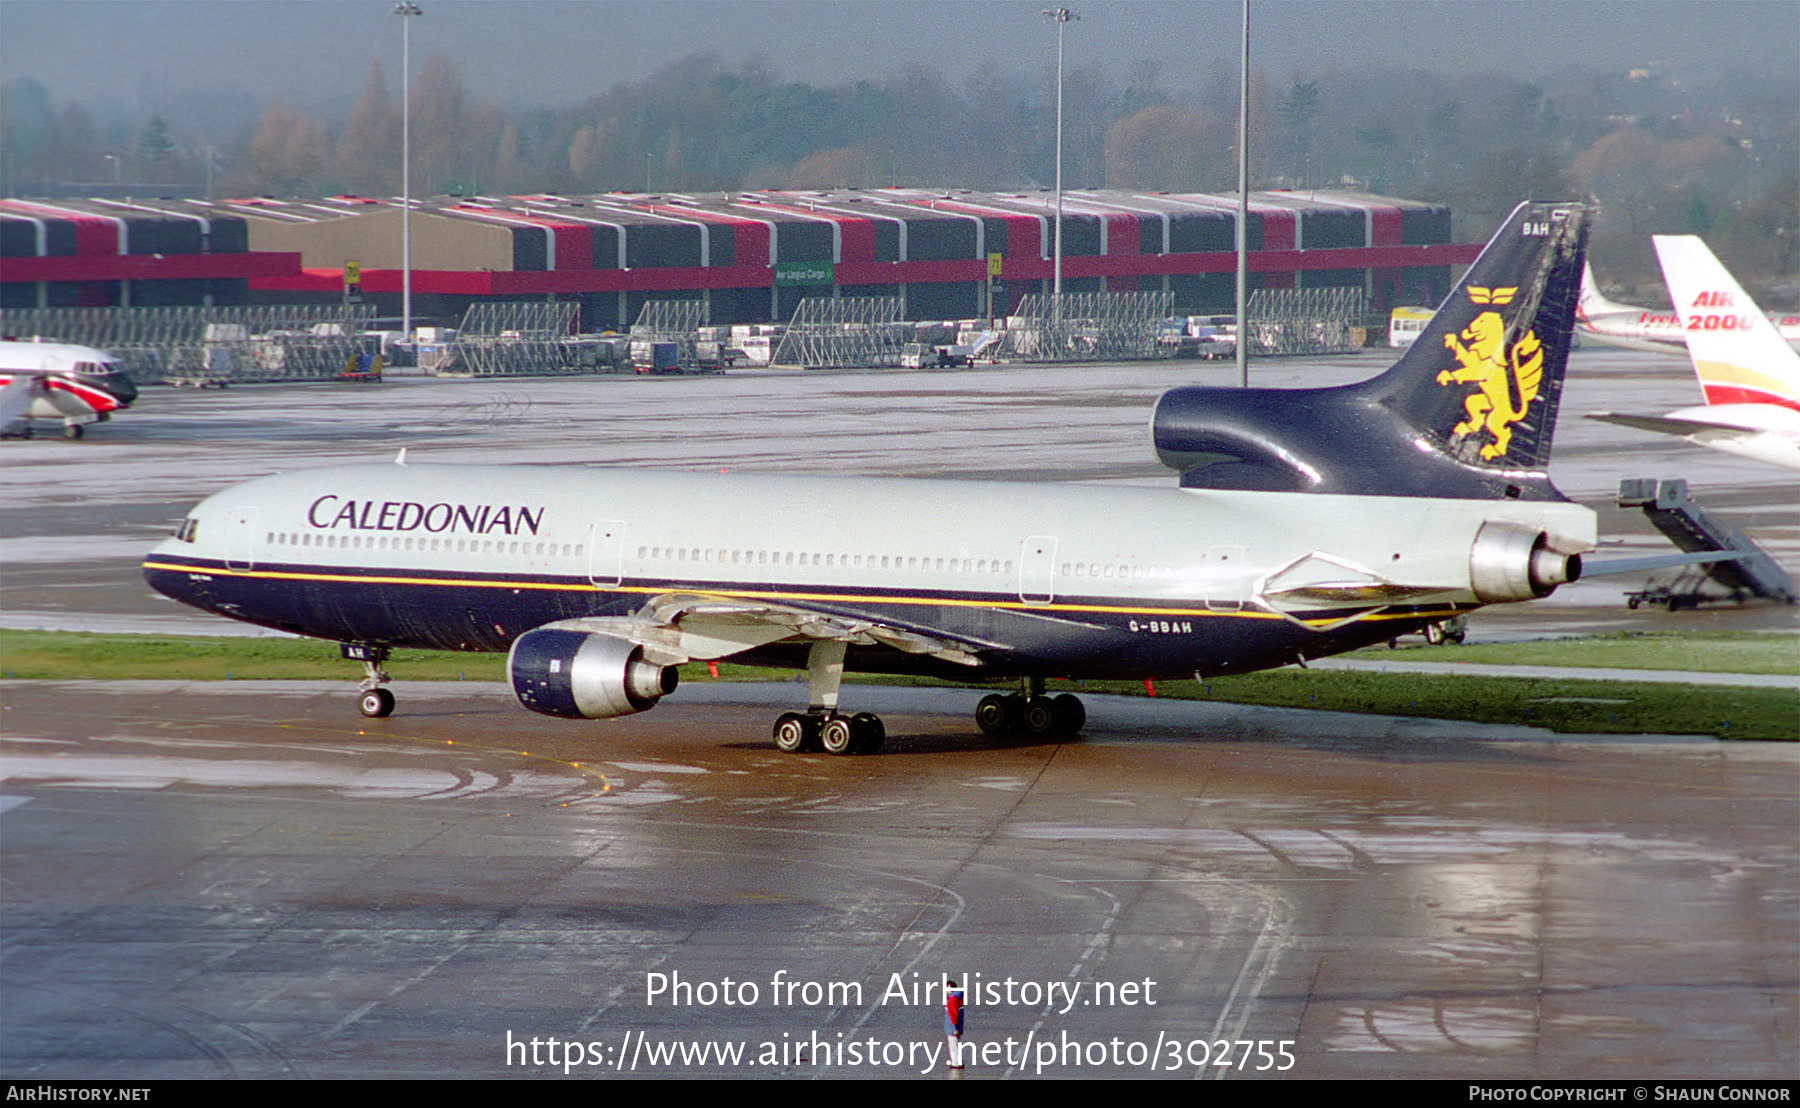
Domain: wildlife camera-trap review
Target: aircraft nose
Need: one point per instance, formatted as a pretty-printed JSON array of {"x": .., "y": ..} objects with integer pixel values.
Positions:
[
  {"x": 122, "y": 389},
  {"x": 164, "y": 573},
  {"x": 173, "y": 583}
]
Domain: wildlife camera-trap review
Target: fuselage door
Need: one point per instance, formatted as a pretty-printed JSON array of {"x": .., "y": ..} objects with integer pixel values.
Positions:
[
  {"x": 240, "y": 538},
  {"x": 1227, "y": 587},
  {"x": 1037, "y": 569},
  {"x": 606, "y": 552}
]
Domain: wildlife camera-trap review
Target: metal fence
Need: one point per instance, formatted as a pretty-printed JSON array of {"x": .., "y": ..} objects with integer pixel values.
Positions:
[
  {"x": 522, "y": 338},
  {"x": 842, "y": 332},
  {"x": 673, "y": 321},
  {"x": 208, "y": 345},
  {"x": 668, "y": 317},
  {"x": 1305, "y": 321},
  {"x": 1089, "y": 327}
]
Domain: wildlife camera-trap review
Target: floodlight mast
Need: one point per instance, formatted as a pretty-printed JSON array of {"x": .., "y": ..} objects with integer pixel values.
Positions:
[
  {"x": 406, "y": 11},
  {"x": 1242, "y": 344},
  {"x": 1062, "y": 16}
]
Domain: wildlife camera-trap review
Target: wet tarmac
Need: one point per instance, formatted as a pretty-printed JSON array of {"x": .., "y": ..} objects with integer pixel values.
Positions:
[
  {"x": 244, "y": 879},
  {"x": 248, "y": 879}
]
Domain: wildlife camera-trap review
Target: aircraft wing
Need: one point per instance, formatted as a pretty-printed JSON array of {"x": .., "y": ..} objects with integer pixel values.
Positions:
[
  {"x": 680, "y": 627},
  {"x": 1668, "y": 425}
]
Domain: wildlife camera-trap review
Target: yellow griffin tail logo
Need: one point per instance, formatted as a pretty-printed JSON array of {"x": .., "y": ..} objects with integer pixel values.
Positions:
[{"x": 1506, "y": 380}]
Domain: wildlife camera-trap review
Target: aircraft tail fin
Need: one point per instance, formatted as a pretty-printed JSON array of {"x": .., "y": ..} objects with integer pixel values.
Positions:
[
  {"x": 1467, "y": 412},
  {"x": 1484, "y": 380},
  {"x": 1738, "y": 354},
  {"x": 1593, "y": 303}
]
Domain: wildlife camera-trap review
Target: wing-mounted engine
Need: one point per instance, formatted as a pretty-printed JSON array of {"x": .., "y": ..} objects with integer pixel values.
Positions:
[
  {"x": 581, "y": 675},
  {"x": 598, "y": 667}
]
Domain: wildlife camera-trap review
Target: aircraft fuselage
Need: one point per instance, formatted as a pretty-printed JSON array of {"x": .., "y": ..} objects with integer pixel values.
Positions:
[
  {"x": 76, "y": 385},
  {"x": 1076, "y": 580},
  {"x": 1307, "y": 522}
]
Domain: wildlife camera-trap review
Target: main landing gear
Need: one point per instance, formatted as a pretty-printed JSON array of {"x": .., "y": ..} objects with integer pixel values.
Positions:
[
  {"x": 374, "y": 701},
  {"x": 822, "y": 726},
  {"x": 1030, "y": 712},
  {"x": 832, "y": 732}
]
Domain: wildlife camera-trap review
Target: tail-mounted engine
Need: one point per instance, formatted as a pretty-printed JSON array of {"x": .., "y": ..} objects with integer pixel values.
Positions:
[
  {"x": 578, "y": 675},
  {"x": 1510, "y": 561}
]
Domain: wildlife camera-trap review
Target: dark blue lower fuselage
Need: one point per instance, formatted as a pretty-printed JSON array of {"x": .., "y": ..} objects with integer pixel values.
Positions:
[{"x": 1076, "y": 636}]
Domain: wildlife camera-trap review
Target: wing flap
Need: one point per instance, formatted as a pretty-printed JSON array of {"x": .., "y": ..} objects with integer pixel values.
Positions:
[{"x": 676, "y": 628}]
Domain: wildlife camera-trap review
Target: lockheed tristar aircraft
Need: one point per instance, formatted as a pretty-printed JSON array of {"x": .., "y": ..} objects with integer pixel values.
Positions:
[
  {"x": 1307, "y": 522},
  {"x": 51, "y": 380},
  {"x": 1749, "y": 377}
]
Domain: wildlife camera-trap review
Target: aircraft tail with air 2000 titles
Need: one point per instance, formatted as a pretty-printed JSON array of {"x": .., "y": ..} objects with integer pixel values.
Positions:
[
  {"x": 1307, "y": 522},
  {"x": 1749, "y": 377}
]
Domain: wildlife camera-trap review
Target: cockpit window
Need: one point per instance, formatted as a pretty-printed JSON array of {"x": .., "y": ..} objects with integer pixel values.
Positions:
[{"x": 188, "y": 528}]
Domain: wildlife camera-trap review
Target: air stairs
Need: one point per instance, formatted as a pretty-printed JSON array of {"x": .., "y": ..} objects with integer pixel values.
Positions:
[{"x": 1753, "y": 574}]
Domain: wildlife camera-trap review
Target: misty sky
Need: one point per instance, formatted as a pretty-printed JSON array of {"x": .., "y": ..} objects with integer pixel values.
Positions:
[{"x": 148, "y": 53}]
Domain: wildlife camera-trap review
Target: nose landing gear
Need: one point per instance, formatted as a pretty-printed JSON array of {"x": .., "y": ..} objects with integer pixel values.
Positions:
[{"x": 374, "y": 701}]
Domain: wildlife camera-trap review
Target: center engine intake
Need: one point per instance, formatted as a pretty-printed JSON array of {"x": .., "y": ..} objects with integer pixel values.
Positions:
[{"x": 579, "y": 675}]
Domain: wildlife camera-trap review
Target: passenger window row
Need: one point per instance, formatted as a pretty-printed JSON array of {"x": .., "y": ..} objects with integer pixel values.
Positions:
[
  {"x": 686, "y": 555},
  {"x": 1115, "y": 571},
  {"x": 708, "y": 555},
  {"x": 424, "y": 543}
]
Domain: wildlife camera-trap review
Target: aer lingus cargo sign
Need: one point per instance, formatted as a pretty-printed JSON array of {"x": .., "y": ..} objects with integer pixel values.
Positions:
[{"x": 789, "y": 274}]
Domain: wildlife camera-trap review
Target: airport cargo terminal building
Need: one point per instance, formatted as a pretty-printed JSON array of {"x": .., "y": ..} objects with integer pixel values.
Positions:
[{"x": 748, "y": 257}]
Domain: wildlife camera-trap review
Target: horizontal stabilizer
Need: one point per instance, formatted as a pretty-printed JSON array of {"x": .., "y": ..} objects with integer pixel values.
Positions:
[
  {"x": 1591, "y": 567},
  {"x": 1322, "y": 581},
  {"x": 1667, "y": 425},
  {"x": 1353, "y": 592}
]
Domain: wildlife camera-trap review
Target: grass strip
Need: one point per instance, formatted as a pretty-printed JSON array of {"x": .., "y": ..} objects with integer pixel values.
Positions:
[
  {"x": 69, "y": 656},
  {"x": 1564, "y": 705},
  {"x": 1710, "y": 652}
]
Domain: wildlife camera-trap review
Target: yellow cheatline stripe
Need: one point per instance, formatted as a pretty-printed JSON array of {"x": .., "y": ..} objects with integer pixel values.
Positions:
[
  {"x": 274, "y": 575},
  {"x": 779, "y": 597},
  {"x": 1008, "y": 605}
]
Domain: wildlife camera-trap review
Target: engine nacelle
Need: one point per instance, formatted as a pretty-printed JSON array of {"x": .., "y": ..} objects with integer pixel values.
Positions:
[
  {"x": 1510, "y": 561},
  {"x": 578, "y": 675}
]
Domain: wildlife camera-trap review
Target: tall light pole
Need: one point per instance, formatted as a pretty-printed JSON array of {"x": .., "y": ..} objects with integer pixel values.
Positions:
[
  {"x": 1062, "y": 16},
  {"x": 1243, "y": 183},
  {"x": 406, "y": 11}
]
